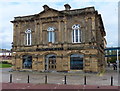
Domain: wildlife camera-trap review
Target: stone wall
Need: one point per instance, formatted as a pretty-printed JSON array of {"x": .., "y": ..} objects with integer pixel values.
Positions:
[{"x": 92, "y": 44}]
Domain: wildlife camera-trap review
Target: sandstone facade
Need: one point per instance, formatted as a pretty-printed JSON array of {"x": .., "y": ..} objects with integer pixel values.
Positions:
[{"x": 55, "y": 40}]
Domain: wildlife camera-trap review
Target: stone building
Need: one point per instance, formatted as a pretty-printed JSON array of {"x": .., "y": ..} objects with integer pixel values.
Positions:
[{"x": 53, "y": 40}]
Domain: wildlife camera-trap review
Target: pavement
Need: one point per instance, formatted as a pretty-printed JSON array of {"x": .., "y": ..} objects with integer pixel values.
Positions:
[
  {"x": 58, "y": 78},
  {"x": 55, "y": 81}
]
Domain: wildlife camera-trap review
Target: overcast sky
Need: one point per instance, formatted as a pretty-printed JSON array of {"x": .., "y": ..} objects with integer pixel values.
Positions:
[{"x": 12, "y": 8}]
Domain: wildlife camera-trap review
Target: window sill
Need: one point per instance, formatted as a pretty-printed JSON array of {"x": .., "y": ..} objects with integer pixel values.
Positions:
[
  {"x": 27, "y": 45},
  {"x": 76, "y": 42}
]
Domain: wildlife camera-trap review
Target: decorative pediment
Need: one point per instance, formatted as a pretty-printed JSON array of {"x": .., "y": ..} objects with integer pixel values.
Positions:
[{"x": 49, "y": 13}]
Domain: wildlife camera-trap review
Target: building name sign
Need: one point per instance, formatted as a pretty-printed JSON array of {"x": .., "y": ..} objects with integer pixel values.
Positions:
[
  {"x": 57, "y": 49},
  {"x": 53, "y": 49},
  {"x": 49, "y": 49}
]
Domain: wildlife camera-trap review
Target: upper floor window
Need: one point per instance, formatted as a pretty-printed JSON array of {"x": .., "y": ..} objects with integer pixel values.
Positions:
[
  {"x": 76, "y": 34},
  {"x": 51, "y": 34},
  {"x": 28, "y": 37}
]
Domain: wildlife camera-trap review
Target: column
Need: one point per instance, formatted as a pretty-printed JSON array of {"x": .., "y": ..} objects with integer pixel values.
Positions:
[
  {"x": 41, "y": 33},
  {"x": 59, "y": 32},
  {"x": 89, "y": 29},
  {"x": 82, "y": 34},
  {"x": 86, "y": 29},
  {"x": 18, "y": 34},
  {"x": 65, "y": 30},
  {"x": 93, "y": 28},
  {"x": 36, "y": 33}
]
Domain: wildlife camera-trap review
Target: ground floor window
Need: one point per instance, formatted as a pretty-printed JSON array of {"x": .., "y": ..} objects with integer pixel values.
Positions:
[
  {"x": 27, "y": 62},
  {"x": 76, "y": 62},
  {"x": 50, "y": 62}
]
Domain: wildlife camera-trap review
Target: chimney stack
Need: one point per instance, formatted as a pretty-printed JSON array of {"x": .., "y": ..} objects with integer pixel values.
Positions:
[
  {"x": 67, "y": 7},
  {"x": 46, "y": 7}
]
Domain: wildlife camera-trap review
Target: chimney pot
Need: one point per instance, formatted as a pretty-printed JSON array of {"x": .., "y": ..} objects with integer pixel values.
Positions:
[{"x": 67, "y": 7}]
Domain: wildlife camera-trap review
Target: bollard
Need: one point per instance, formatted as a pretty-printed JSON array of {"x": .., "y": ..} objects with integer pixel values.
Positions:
[
  {"x": 85, "y": 80},
  {"x": 65, "y": 79},
  {"x": 10, "y": 78},
  {"x": 28, "y": 79},
  {"x": 45, "y": 79},
  {"x": 111, "y": 80}
]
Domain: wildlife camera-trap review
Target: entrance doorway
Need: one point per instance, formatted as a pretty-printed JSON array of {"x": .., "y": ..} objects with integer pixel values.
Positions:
[
  {"x": 76, "y": 62},
  {"x": 50, "y": 62},
  {"x": 27, "y": 62}
]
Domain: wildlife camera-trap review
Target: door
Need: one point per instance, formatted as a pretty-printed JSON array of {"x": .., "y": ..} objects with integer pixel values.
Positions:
[{"x": 50, "y": 62}]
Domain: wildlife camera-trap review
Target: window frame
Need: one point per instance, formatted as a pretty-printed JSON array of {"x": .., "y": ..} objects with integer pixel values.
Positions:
[
  {"x": 28, "y": 37},
  {"x": 51, "y": 34},
  {"x": 76, "y": 33},
  {"x": 75, "y": 60}
]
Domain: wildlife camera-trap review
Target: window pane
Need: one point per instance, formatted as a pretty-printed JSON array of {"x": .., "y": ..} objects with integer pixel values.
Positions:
[
  {"x": 73, "y": 35},
  {"x": 76, "y": 34},
  {"x": 76, "y": 62},
  {"x": 27, "y": 61},
  {"x": 28, "y": 38},
  {"x": 25, "y": 39},
  {"x": 80, "y": 35},
  {"x": 50, "y": 36},
  {"x": 53, "y": 37}
]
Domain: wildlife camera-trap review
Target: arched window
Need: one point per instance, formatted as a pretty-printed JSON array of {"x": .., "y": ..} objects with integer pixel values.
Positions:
[
  {"x": 28, "y": 37},
  {"x": 51, "y": 34},
  {"x": 27, "y": 62},
  {"x": 76, "y": 34}
]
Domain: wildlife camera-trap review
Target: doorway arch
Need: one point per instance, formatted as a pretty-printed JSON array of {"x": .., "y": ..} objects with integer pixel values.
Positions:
[{"x": 50, "y": 62}]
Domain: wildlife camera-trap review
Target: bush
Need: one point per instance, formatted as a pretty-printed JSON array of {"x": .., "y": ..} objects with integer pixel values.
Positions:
[{"x": 4, "y": 62}]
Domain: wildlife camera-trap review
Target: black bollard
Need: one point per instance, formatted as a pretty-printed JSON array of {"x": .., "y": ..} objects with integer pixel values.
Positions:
[
  {"x": 85, "y": 80},
  {"x": 111, "y": 80},
  {"x": 45, "y": 79},
  {"x": 28, "y": 79},
  {"x": 10, "y": 78},
  {"x": 65, "y": 79}
]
